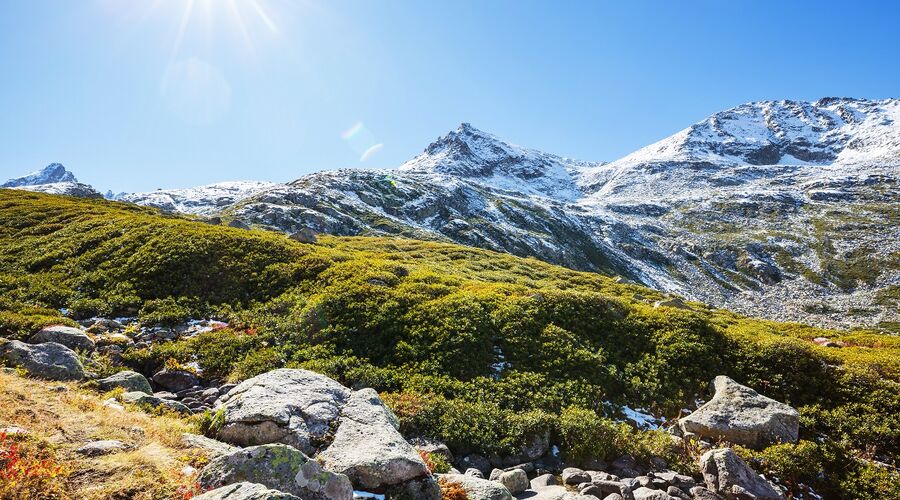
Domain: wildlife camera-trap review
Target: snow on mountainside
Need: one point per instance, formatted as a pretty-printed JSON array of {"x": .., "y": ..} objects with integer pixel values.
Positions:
[
  {"x": 203, "y": 200},
  {"x": 787, "y": 210},
  {"x": 781, "y": 209},
  {"x": 51, "y": 174},
  {"x": 52, "y": 179},
  {"x": 483, "y": 158}
]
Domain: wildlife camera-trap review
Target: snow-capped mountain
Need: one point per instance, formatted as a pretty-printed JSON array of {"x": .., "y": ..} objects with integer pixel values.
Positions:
[
  {"x": 52, "y": 179},
  {"x": 780, "y": 209},
  {"x": 203, "y": 200},
  {"x": 786, "y": 210},
  {"x": 483, "y": 158}
]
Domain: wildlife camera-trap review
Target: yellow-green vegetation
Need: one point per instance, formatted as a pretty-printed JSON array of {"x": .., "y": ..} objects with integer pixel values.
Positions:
[{"x": 482, "y": 350}]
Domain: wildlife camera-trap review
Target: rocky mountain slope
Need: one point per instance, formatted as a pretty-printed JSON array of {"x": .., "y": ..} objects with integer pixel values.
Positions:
[
  {"x": 786, "y": 210},
  {"x": 52, "y": 179},
  {"x": 781, "y": 209},
  {"x": 202, "y": 200}
]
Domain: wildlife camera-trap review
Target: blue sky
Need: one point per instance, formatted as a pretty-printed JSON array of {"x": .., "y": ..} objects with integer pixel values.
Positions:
[{"x": 135, "y": 95}]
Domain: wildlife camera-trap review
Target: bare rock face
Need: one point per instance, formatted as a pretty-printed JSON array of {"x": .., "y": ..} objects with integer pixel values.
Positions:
[
  {"x": 740, "y": 415},
  {"x": 726, "y": 474},
  {"x": 278, "y": 467},
  {"x": 295, "y": 407},
  {"x": 368, "y": 448},
  {"x": 245, "y": 491},
  {"x": 73, "y": 338},
  {"x": 49, "y": 360}
]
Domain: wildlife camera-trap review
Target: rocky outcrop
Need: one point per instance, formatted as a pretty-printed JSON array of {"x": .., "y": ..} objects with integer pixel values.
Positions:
[
  {"x": 477, "y": 488},
  {"x": 728, "y": 475},
  {"x": 73, "y": 338},
  {"x": 294, "y": 407},
  {"x": 49, "y": 360},
  {"x": 279, "y": 467},
  {"x": 740, "y": 415},
  {"x": 128, "y": 380},
  {"x": 245, "y": 491},
  {"x": 367, "y": 446}
]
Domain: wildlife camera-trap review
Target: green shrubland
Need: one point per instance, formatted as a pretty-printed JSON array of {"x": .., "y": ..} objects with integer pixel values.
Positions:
[{"x": 483, "y": 350}]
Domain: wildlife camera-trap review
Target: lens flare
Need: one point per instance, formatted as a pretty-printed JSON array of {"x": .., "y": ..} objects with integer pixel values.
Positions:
[
  {"x": 362, "y": 141},
  {"x": 371, "y": 151}
]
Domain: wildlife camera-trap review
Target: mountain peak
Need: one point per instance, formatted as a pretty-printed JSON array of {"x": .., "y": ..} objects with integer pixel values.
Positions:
[{"x": 51, "y": 174}]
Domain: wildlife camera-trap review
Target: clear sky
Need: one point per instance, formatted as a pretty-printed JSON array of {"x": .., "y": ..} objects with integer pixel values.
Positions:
[{"x": 133, "y": 95}]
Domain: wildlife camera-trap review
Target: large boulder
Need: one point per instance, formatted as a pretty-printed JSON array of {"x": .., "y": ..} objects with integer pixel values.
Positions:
[
  {"x": 128, "y": 380},
  {"x": 279, "y": 467},
  {"x": 294, "y": 407},
  {"x": 73, "y": 338},
  {"x": 727, "y": 474},
  {"x": 740, "y": 415},
  {"x": 477, "y": 488},
  {"x": 175, "y": 380},
  {"x": 368, "y": 448},
  {"x": 245, "y": 491},
  {"x": 48, "y": 360}
]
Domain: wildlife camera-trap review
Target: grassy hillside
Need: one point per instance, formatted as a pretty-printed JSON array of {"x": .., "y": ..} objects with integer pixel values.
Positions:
[{"x": 480, "y": 349}]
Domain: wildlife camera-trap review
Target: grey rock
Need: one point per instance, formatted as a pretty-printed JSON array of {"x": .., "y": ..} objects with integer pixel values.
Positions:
[
  {"x": 210, "y": 447},
  {"x": 279, "y": 467},
  {"x": 144, "y": 399},
  {"x": 245, "y": 491},
  {"x": 294, "y": 407},
  {"x": 472, "y": 471},
  {"x": 477, "y": 488},
  {"x": 740, "y": 415},
  {"x": 644, "y": 493},
  {"x": 73, "y": 338},
  {"x": 544, "y": 480},
  {"x": 98, "y": 448},
  {"x": 128, "y": 380},
  {"x": 165, "y": 395},
  {"x": 495, "y": 474},
  {"x": 613, "y": 496},
  {"x": 367, "y": 446},
  {"x": 573, "y": 476},
  {"x": 176, "y": 380},
  {"x": 304, "y": 235},
  {"x": 727, "y": 474},
  {"x": 238, "y": 224},
  {"x": 591, "y": 489},
  {"x": 49, "y": 360},
  {"x": 676, "y": 492},
  {"x": 425, "y": 488},
  {"x": 701, "y": 493},
  {"x": 516, "y": 481}
]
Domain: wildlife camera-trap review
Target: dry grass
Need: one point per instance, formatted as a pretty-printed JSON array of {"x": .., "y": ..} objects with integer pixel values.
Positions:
[{"x": 70, "y": 417}]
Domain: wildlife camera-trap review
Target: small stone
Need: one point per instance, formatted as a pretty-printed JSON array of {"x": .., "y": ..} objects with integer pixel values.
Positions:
[
  {"x": 472, "y": 471},
  {"x": 98, "y": 448}
]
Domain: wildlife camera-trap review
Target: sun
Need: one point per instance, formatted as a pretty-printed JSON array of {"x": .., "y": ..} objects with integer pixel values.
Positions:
[{"x": 190, "y": 23}]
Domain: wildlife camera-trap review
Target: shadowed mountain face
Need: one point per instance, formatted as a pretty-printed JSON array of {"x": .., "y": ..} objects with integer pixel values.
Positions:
[{"x": 782, "y": 209}]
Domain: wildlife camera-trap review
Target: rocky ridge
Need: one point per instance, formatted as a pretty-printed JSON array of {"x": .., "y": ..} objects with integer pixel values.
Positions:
[{"x": 780, "y": 209}]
